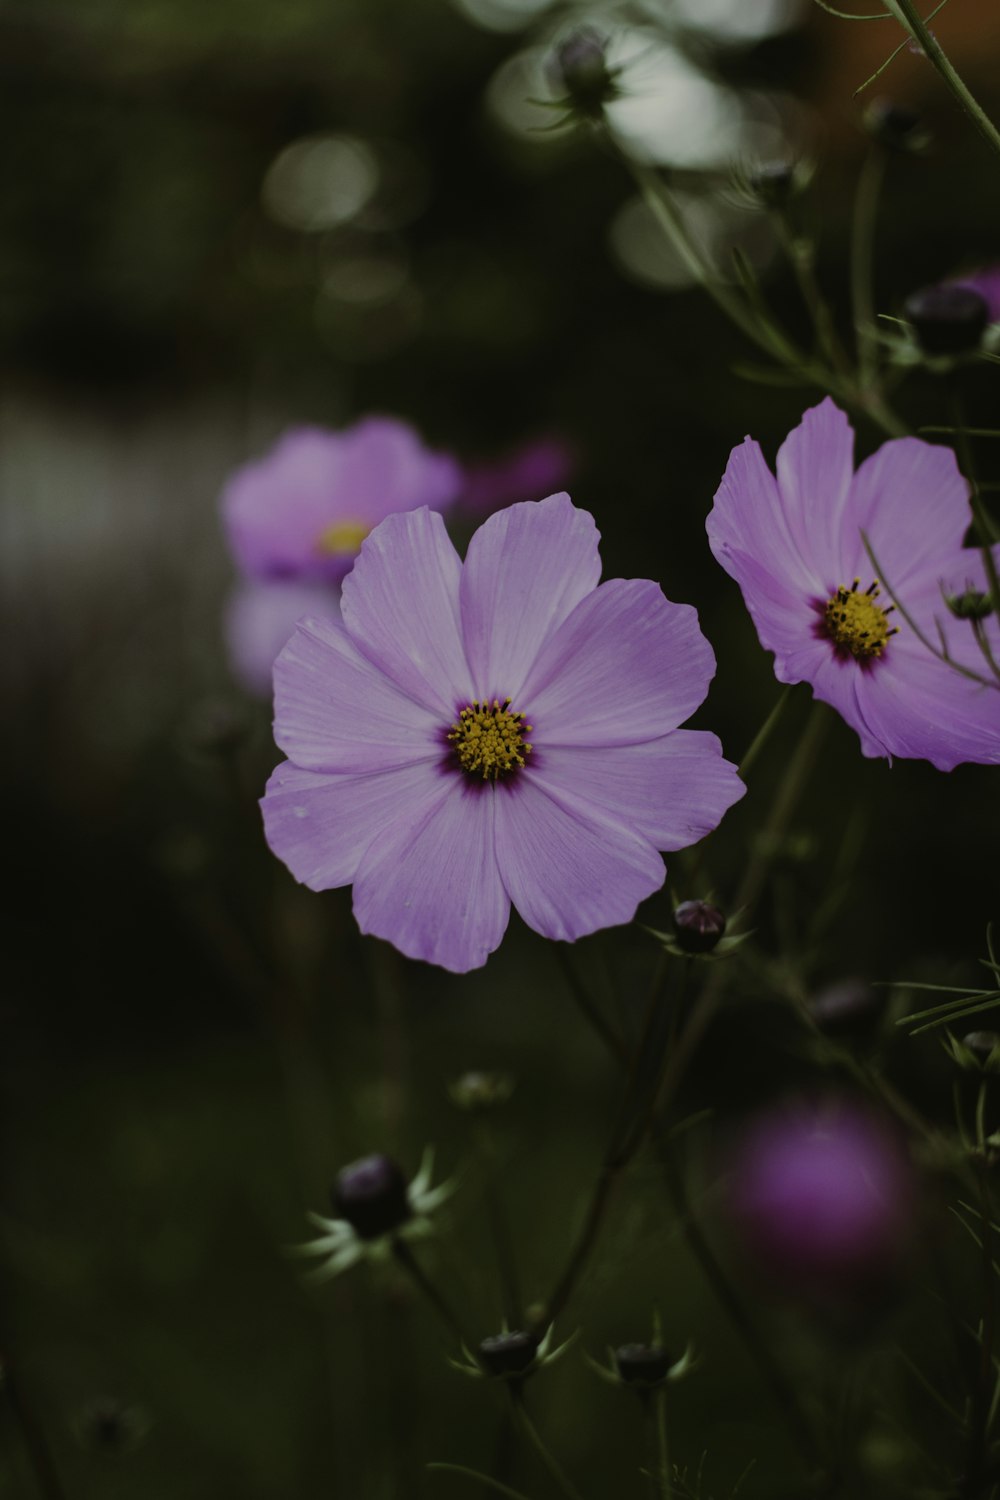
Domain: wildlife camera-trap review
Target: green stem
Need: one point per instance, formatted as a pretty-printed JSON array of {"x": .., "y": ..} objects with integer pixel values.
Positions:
[
  {"x": 908, "y": 17},
  {"x": 530, "y": 1431},
  {"x": 801, "y": 258},
  {"x": 483, "y": 1479},
  {"x": 763, "y": 734},
  {"x": 39, "y": 1457},
  {"x": 589, "y": 1009},
  {"x": 503, "y": 1245},
  {"x": 404, "y": 1257},
  {"x": 863, "y": 259},
  {"x": 663, "y": 1455}
]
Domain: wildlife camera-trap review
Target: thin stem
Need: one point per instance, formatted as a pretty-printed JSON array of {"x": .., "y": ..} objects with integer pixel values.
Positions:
[
  {"x": 801, "y": 258},
  {"x": 763, "y": 734},
  {"x": 483, "y": 1479},
  {"x": 585, "y": 1004},
  {"x": 939, "y": 652},
  {"x": 405, "y": 1257},
  {"x": 907, "y": 15},
  {"x": 39, "y": 1457},
  {"x": 530, "y": 1431},
  {"x": 662, "y": 1450},
  {"x": 757, "y": 1347},
  {"x": 626, "y": 1138},
  {"x": 503, "y": 1245},
  {"x": 869, "y": 190}
]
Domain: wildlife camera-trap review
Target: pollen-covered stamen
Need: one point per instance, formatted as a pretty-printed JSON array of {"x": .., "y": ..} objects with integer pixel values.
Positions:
[
  {"x": 856, "y": 623},
  {"x": 342, "y": 537},
  {"x": 488, "y": 739}
]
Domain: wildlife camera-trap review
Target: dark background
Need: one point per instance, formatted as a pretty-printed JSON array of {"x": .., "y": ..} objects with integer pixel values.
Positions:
[{"x": 190, "y": 1044}]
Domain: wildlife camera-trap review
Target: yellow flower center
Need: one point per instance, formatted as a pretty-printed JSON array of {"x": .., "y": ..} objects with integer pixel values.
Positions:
[
  {"x": 341, "y": 537},
  {"x": 489, "y": 739},
  {"x": 855, "y": 623}
]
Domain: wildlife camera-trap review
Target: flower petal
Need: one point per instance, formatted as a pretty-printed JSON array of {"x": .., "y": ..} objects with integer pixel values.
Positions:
[
  {"x": 749, "y": 518},
  {"x": 321, "y": 825},
  {"x": 430, "y": 884},
  {"x": 626, "y": 666},
  {"x": 334, "y": 711},
  {"x": 916, "y": 706},
  {"x": 568, "y": 868},
  {"x": 400, "y": 606},
  {"x": 260, "y": 618},
  {"x": 671, "y": 791},
  {"x": 913, "y": 503},
  {"x": 815, "y": 468},
  {"x": 526, "y": 569}
]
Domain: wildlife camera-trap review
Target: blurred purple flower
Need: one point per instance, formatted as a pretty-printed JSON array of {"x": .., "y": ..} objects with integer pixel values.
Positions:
[
  {"x": 985, "y": 281},
  {"x": 527, "y": 473},
  {"x": 303, "y": 510},
  {"x": 494, "y": 733},
  {"x": 823, "y": 1198},
  {"x": 259, "y": 618},
  {"x": 794, "y": 545}
]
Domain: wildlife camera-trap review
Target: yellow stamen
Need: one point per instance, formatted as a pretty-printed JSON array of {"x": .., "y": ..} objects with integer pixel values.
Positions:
[
  {"x": 489, "y": 739},
  {"x": 855, "y": 623},
  {"x": 341, "y": 537}
]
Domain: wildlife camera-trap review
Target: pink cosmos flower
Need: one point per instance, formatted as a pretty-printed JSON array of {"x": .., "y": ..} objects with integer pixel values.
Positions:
[
  {"x": 794, "y": 545},
  {"x": 503, "y": 731},
  {"x": 304, "y": 509}
]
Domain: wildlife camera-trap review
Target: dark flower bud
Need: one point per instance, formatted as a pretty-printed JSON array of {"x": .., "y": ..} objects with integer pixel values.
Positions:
[
  {"x": 972, "y": 605},
  {"x": 846, "y": 1008},
  {"x": 895, "y": 126},
  {"x": 698, "y": 926},
  {"x": 579, "y": 70},
  {"x": 371, "y": 1195},
  {"x": 642, "y": 1364},
  {"x": 947, "y": 319},
  {"x": 506, "y": 1354},
  {"x": 477, "y": 1092}
]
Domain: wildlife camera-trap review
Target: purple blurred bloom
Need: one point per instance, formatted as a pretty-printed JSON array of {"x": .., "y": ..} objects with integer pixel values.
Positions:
[
  {"x": 534, "y": 469},
  {"x": 985, "y": 281},
  {"x": 794, "y": 545},
  {"x": 503, "y": 731},
  {"x": 259, "y": 618},
  {"x": 823, "y": 1199},
  {"x": 304, "y": 509}
]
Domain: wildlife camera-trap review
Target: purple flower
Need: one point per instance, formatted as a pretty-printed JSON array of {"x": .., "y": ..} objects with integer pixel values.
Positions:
[
  {"x": 503, "y": 731},
  {"x": 259, "y": 618},
  {"x": 535, "y": 469},
  {"x": 985, "y": 281},
  {"x": 794, "y": 545},
  {"x": 304, "y": 509},
  {"x": 822, "y": 1198}
]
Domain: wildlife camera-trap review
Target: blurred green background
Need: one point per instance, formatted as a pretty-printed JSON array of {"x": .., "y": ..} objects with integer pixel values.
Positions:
[{"x": 219, "y": 220}]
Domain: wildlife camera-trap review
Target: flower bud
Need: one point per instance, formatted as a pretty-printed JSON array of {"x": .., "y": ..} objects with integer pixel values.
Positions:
[
  {"x": 972, "y": 605},
  {"x": 371, "y": 1195},
  {"x": 698, "y": 926},
  {"x": 508, "y": 1354},
  {"x": 774, "y": 183},
  {"x": 579, "y": 69},
  {"x": 947, "y": 319},
  {"x": 895, "y": 126},
  {"x": 478, "y": 1092},
  {"x": 979, "y": 1050},
  {"x": 642, "y": 1364},
  {"x": 110, "y": 1425}
]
